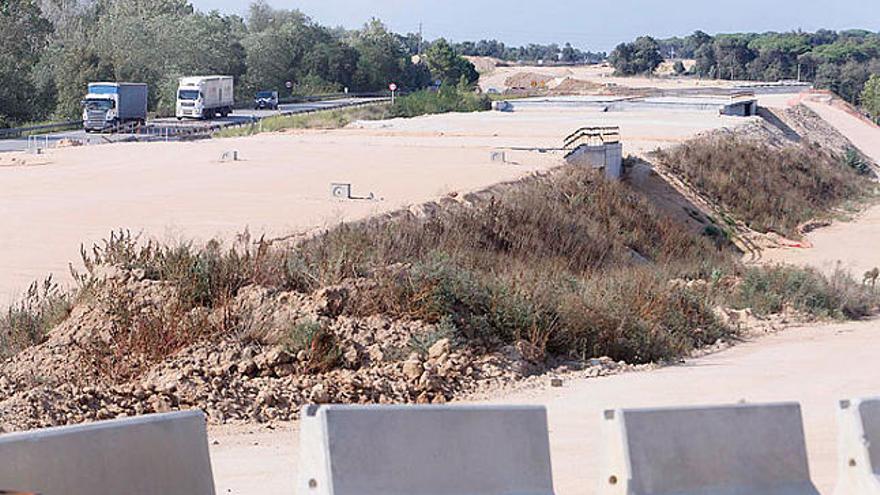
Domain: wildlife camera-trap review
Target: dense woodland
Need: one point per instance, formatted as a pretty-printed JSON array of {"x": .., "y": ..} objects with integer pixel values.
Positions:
[
  {"x": 840, "y": 61},
  {"x": 50, "y": 49}
]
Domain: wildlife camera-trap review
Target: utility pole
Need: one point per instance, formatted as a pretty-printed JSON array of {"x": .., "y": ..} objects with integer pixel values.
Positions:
[{"x": 420, "y": 40}]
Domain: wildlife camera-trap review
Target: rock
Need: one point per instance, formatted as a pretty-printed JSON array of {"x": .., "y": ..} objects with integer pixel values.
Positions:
[
  {"x": 331, "y": 301},
  {"x": 412, "y": 369},
  {"x": 440, "y": 348},
  {"x": 266, "y": 398},
  {"x": 159, "y": 403},
  {"x": 285, "y": 370},
  {"x": 247, "y": 367},
  {"x": 278, "y": 356},
  {"x": 556, "y": 382},
  {"x": 319, "y": 395}
]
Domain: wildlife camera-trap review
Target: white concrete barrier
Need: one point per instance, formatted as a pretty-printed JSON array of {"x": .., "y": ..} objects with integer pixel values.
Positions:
[
  {"x": 424, "y": 450},
  {"x": 162, "y": 454},
  {"x": 754, "y": 449},
  {"x": 858, "y": 447}
]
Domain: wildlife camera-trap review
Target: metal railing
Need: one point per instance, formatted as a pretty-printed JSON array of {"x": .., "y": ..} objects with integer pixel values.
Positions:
[
  {"x": 158, "y": 131},
  {"x": 19, "y": 131},
  {"x": 600, "y": 134}
]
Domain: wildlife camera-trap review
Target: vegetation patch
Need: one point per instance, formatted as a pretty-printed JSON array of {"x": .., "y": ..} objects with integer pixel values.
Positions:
[
  {"x": 769, "y": 188},
  {"x": 769, "y": 290},
  {"x": 446, "y": 99},
  {"x": 328, "y": 119},
  {"x": 26, "y": 322}
]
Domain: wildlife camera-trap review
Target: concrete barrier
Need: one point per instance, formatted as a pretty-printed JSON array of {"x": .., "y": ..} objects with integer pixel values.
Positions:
[
  {"x": 424, "y": 450},
  {"x": 162, "y": 454},
  {"x": 727, "y": 450},
  {"x": 858, "y": 447}
]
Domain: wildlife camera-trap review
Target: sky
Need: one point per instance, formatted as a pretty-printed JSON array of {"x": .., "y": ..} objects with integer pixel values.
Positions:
[{"x": 587, "y": 24}]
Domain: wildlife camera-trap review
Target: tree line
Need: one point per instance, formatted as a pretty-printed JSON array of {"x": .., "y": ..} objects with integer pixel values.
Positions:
[
  {"x": 50, "y": 50},
  {"x": 840, "y": 61},
  {"x": 529, "y": 53}
]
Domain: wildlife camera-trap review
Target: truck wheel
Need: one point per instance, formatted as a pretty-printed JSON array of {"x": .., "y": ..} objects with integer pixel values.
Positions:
[{"x": 179, "y": 119}]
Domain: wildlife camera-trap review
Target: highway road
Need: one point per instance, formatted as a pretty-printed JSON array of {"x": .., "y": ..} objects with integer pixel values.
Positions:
[{"x": 240, "y": 115}]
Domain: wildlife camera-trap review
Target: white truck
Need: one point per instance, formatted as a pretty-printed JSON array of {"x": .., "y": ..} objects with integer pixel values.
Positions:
[
  {"x": 111, "y": 104},
  {"x": 204, "y": 97}
]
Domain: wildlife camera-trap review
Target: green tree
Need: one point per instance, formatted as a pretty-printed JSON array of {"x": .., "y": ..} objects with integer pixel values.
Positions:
[
  {"x": 448, "y": 66},
  {"x": 870, "y": 97},
  {"x": 678, "y": 67},
  {"x": 639, "y": 57},
  {"x": 284, "y": 46},
  {"x": 24, "y": 35}
]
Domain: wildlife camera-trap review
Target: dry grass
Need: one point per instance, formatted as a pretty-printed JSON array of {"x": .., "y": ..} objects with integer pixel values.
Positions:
[
  {"x": 770, "y": 189},
  {"x": 26, "y": 322},
  {"x": 571, "y": 263}
]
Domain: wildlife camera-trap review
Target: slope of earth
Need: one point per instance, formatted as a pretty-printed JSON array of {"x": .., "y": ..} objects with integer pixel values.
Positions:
[{"x": 852, "y": 245}]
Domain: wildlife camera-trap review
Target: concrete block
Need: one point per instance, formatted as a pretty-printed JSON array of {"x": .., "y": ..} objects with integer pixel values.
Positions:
[
  {"x": 424, "y": 450},
  {"x": 754, "y": 449},
  {"x": 858, "y": 447},
  {"x": 162, "y": 454},
  {"x": 607, "y": 156}
]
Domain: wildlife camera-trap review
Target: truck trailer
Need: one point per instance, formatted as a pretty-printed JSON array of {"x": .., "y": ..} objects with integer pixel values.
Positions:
[
  {"x": 204, "y": 97},
  {"x": 111, "y": 104}
]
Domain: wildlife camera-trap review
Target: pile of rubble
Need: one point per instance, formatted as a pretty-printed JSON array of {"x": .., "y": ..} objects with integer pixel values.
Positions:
[{"x": 256, "y": 375}]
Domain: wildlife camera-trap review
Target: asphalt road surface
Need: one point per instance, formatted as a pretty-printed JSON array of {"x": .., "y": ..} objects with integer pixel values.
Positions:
[{"x": 240, "y": 115}]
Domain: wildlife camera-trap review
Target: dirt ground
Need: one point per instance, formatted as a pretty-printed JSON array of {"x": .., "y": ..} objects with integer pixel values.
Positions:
[
  {"x": 53, "y": 203},
  {"x": 815, "y": 365}
]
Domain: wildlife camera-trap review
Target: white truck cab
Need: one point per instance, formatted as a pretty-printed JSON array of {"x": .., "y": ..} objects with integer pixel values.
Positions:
[
  {"x": 204, "y": 97},
  {"x": 110, "y": 104}
]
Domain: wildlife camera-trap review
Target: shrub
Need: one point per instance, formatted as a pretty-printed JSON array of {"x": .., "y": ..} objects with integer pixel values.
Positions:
[
  {"x": 853, "y": 159},
  {"x": 770, "y": 189},
  {"x": 26, "y": 322},
  {"x": 771, "y": 289},
  {"x": 446, "y": 99},
  {"x": 319, "y": 343}
]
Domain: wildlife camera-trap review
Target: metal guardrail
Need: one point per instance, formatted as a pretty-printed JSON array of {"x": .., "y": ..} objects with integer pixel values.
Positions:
[
  {"x": 18, "y": 131},
  {"x": 159, "y": 132},
  {"x": 604, "y": 133},
  {"x": 192, "y": 131}
]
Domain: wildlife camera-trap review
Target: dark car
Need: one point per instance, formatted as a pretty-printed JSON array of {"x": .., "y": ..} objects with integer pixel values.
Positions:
[{"x": 266, "y": 99}]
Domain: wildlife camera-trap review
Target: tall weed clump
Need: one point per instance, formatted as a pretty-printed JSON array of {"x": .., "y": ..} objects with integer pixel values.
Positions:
[
  {"x": 773, "y": 289},
  {"x": 769, "y": 188},
  {"x": 26, "y": 322}
]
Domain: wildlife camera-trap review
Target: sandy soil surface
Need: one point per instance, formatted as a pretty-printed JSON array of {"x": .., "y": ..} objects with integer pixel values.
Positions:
[
  {"x": 497, "y": 78},
  {"x": 852, "y": 245},
  {"x": 51, "y": 204},
  {"x": 840, "y": 361}
]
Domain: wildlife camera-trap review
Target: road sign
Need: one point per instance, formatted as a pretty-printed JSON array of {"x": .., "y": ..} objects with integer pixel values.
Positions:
[
  {"x": 288, "y": 84},
  {"x": 392, "y": 87}
]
